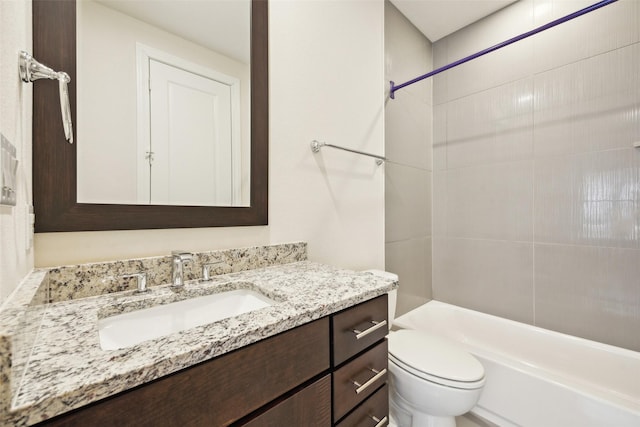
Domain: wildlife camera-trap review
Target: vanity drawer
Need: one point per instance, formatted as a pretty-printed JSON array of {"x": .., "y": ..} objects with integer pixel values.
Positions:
[
  {"x": 310, "y": 407},
  {"x": 374, "y": 412},
  {"x": 368, "y": 370},
  {"x": 359, "y": 327}
]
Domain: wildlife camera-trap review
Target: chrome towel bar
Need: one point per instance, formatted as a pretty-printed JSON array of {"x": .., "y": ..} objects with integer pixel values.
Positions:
[{"x": 317, "y": 145}]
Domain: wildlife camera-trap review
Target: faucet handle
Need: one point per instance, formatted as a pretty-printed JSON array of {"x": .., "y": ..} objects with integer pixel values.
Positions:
[
  {"x": 141, "y": 279},
  {"x": 206, "y": 269}
]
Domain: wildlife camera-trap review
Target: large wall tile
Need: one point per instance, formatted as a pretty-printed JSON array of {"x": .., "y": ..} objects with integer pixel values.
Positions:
[
  {"x": 495, "y": 69},
  {"x": 408, "y": 117},
  {"x": 532, "y": 145},
  {"x": 439, "y": 204},
  {"x": 440, "y": 58},
  {"x": 589, "y": 199},
  {"x": 495, "y": 28},
  {"x": 407, "y": 55},
  {"x": 508, "y": 64},
  {"x": 407, "y": 202},
  {"x": 590, "y": 105},
  {"x": 611, "y": 27},
  {"x": 491, "y": 126},
  {"x": 408, "y": 132},
  {"x": 439, "y": 146},
  {"x": 408, "y": 147},
  {"x": 491, "y": 276},
  {"x": 411, "y": 261},
  {"x": 491, "y": 201},
  {"x": 591, "y": 292},
  {"x": 440, "y": 51}
]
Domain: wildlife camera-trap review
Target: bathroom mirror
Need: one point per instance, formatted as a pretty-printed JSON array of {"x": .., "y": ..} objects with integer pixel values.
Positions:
[
  {"x": 55, "y": 162},
  {"x": 172, "y": 118}
]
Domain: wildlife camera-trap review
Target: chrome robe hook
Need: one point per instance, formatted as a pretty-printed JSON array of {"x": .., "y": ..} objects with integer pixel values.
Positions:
[{"x": 32, "y": 70}]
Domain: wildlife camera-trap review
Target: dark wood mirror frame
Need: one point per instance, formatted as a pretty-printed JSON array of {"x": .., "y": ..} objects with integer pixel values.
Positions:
[{"x": 54, "y": 159}]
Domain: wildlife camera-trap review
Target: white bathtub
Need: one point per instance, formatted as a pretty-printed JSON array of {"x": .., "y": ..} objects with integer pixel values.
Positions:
[{"x": 537, "y": 377}]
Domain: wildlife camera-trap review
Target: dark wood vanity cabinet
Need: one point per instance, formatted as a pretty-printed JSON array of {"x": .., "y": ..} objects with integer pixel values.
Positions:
[
  {"x": 302, "y": 377},
  {"x": 359, "y": 351}
]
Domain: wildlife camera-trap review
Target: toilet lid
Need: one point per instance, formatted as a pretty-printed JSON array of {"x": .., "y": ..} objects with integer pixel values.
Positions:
[{"x": 434, "y": 359}]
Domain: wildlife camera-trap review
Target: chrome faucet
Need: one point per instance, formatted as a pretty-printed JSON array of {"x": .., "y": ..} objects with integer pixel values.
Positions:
[{"x": 179, "y": 258}]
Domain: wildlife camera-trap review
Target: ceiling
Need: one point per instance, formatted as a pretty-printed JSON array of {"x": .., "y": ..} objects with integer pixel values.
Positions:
[
  {"x": 222, "y": 26},
  {"x": 439, "y": 18}
]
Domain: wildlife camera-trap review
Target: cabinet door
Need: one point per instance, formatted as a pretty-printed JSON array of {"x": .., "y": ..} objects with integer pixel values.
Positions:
[{"x": 310, "y": 407}]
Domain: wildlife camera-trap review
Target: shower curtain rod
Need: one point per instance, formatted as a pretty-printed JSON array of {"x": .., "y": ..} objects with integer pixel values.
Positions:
[{"x": 551, "y": 24}]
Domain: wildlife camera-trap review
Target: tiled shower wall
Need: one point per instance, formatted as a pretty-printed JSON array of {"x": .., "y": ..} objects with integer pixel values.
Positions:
[
  {"x": 536, "y": 188},
  {"x": 408, "y": 173}
]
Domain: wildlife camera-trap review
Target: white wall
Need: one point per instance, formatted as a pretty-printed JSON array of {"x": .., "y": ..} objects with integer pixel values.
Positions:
[
  {"x": 107, "y": 98},
  {"x": 536, "y": 183},
  {"x": 326, "y": 82},
  {"x": 15, "y": 124},
  {"x": 408, "y": 138}
]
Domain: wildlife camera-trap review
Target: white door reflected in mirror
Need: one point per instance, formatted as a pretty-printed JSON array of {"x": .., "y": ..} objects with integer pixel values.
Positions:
[
  {"x": 189, "y": 158},
  {"x": 188, "y": 133}
]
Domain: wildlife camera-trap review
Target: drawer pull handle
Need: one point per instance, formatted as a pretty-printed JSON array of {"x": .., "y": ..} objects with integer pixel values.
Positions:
[
  {"x": 375, "y": 327},
  {"x": 380, "y": 422},
  {"x": 362, "y": 387}
]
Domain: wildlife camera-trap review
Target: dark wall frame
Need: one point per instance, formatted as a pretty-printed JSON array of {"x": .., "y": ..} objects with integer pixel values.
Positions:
[{"x": 54, "y": 160}]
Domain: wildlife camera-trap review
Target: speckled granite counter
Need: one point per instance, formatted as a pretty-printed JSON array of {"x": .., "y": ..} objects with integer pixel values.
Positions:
[{"x": 67, "y": 368}]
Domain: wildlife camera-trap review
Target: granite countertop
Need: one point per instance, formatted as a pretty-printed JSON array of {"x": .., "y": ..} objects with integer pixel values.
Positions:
[{"x": 68, "y": 369}]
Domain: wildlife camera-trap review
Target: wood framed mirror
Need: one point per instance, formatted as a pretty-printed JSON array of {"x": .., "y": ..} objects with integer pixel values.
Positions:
[{"x": 54, "y": 160}]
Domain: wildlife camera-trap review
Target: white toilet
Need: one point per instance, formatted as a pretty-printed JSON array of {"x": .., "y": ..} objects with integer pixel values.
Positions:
[{"x": 432, "y": 381}]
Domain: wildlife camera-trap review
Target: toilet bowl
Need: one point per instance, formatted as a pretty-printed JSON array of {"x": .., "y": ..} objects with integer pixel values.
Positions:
[{"x": 431, "y": 380}]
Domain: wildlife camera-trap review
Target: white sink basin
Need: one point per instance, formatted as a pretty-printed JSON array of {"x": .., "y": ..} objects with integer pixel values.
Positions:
[{"x": 128, "y": 329}]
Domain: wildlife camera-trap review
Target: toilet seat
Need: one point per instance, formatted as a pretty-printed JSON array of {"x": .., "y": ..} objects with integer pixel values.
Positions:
[{"x": 434, "y": 359}]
